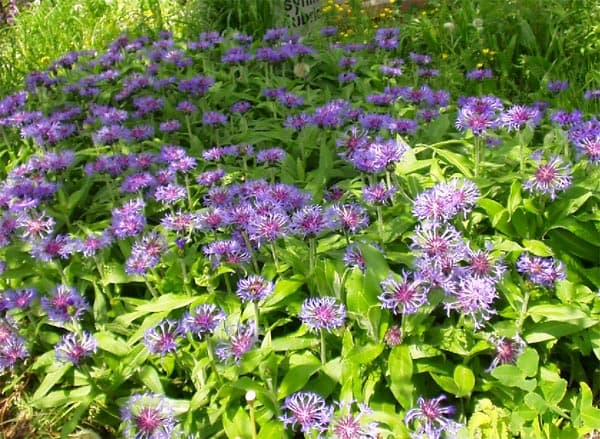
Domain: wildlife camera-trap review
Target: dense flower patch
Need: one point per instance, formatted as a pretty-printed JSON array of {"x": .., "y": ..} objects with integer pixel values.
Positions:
[{"x": 256, "y": 238}]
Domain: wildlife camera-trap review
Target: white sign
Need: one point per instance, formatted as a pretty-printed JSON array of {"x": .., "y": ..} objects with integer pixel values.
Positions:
[{"x": 302, "y": 12}]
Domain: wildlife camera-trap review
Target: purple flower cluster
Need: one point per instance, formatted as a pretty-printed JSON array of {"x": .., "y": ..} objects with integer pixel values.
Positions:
[
  {"x": 541, "y": 271},
  {"x": 479, "y": 114},
  {"x": 446, "y": 200},
  {"x": 431, "y": 418},
  {"x": 12, "y": 346},
  {"x": 148, "y": 415},
  {"x": 64, "y": 304},
  {"x": 145, "y": 254}
]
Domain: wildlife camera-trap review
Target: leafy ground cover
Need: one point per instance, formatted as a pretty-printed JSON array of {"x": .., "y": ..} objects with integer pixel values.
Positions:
[{"x": 229, "y": 235}]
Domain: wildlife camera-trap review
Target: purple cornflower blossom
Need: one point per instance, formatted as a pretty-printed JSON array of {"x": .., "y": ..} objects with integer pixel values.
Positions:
[
  {"x": 254, "y": 288},
  {"x": 186, "y": 107},
  {"x": 270, "y": 155},
  {"x": 478, "y": 122},
  {"x": 354, "y": 258},
  {"x": 445, "y": 200},
  {"x": 290, "y": 100},
  {"x": 236, "y": 55},
  {"x": 239, "y": 342},
  {"x": 590, "y": 147},
  {"x": 64, "y": 304},
  {"x": 592, "y": 94},
  {"x": 374, "y": 121},
  {"x": 162, "y": 339},
  {"x": 94, "y": 242},
  {"x": 479, "y": 74},
  {"x": 35, "y": 225},
  {"x": 297, "y": 121},
  {"x": 507, "y": 350},
  {"x": 541, "y": 271},
  {"x": 129, "y": 219},
  {"x": 351, "y": 425},
  {"x": 240, "y": 107},
  {"x": 268, "y": 227},
  {"x": 432, "y": 419},
  {"x": 109, "y": 134},
  {"x": 352, "y": 217},
  {"x": 148, "y": 416},
  {"x": 17, "y": 299},
  {"x": 306, "y": 410},
  {"x": 518, "y": 116},
  {"x": 73, "y": 348},
  {"x": 208, "y": 178},
  {"x": 403, "y": 296},
  {"x": 557, "y": 86},
  {"x": 403, "y": 125},
  {"x": 231, "y": 251},
  {"x": 137, "y": 182},
  {"x": 202, "y": 320},
  {"x": 387, "y": 38},
  {"x": 474, "y": 297},
  {"x": 352, "y": 141},
  {"x": 181, "y": 222},
  {"x": 433, "y": 241},
  {"x": 170, "y": 193},
  {"x": 347, "y": 77},
  {"x": 311, "y": 221},
  {"x": 169, "y": 126},
  {"x": 419, "y": 58},
  {"x": 328, "y": 31},
  {"x": 213, "y": 118},
  {"x": 52, "y": 247},
  {"x": 332, "y": 114},
  {"x": 322, "y": 313},
  {"x": 196, "y": 86},
  {"x": 550, "y": 177},
  {"x": 12, "y": 348},
  {"x": 481, "y": 263},
  {"x": 378, "y": 193}
]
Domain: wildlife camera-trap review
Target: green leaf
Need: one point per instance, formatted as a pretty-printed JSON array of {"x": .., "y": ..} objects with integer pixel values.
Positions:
[
  {"x": 365, "y": 354},
  {"x": 400, "y": 369},
  {"x": 464, "y": 380},
  {"x": 588, "y": 414},
  {"x": 49, "y": 381},
  {"x": 457, "y": 160},
  {"x": 538, "y": 248},
  {"x": 149, "y": 376},
  {"x": 553, "y": 391},
  {"x": 528, "y": 362},
  {"x": 536, "y": 402},
  {"x": 512, "y": 376},
  {"x": 446, "y": 383},
  {"x": 109, "y": 342},
  {"x": 236, "y": 423},
  {"x": 514, "y": 199},
  {"x": 560, "y": 313},
  {"x": 166, "y": 302},
  {"x": 550, "y": 330},
  {"x": 302, "y": 367}
]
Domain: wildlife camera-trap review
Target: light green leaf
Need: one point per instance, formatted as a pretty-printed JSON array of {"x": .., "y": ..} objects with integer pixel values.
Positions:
[
  {"x": 302, "y": 367},
  {"x": 109, "y": 342},
  {"x": 538, "y": 248},
  {"x": 528, "y": 362},
  {"x": 50, "y": 380},
  {"x": 400, "y": 369},
  {"x": 464, "y": 380}
]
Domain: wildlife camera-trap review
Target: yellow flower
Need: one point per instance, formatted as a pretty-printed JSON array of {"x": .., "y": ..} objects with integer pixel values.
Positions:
[
  {"x": 480, "y": 65},
  {"x": 444, "y": 56},
  {"x": 148, "y": 13},
  {"x": 44, "y": 59},
  {"x": 485, "y": 51}
]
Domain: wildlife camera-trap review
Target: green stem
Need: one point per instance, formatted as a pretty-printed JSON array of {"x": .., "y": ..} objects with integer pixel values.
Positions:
[
  {"x": 211, "y": 358},
  {"x": 379, "y": 223},
  {"x": 274, "y": 252},
  {"x": 523, "y": 312},
  {"x": 477, "y": 155},
  {"x": 323, "y": 348},
  {"x": 151, "y": 288},
  {"x": 256, "y": 317},
  {"x": 312, "y": 254},
  {"x": 521, "y": 154}
]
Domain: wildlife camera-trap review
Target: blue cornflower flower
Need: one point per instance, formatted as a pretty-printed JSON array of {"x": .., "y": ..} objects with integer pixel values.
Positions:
[
  {"x": 322, "y": 313},
  {"x": 73, "y": 348}
]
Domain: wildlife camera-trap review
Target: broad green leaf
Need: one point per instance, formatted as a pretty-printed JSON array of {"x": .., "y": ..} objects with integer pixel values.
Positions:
[
  {"x": 588, "y": 414},
  {"x": 536, "y": 402},
  {"x": 560, "y": 313},
  {"x": 512, "y": 376},
  {"x": 365, "y": 354},
  {"x": 514, "y": 199},
  {"x": 553, "y": 391},
  {"x": 149, "y": 376},
  {"x": 109, "y": 342},
  {"x": 400, "y": 369},
  {"x": 166, "y": 302},
  {"x": 464, "y": 380},
  {"x": 236, "y": 423},
  {"x": 528, "y": 362},
  {"x": 446, "y": 383},
  {"x": 302, "y": 367},
  {"x": 271, "y": 430},
  {"x": 538, "y": 248},
  {"x": 457, "y": 160},
  {"x": 545, "y": 331}
]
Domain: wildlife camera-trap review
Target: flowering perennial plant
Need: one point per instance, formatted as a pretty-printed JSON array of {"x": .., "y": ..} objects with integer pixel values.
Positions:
[{"x": 304, "y": 219}]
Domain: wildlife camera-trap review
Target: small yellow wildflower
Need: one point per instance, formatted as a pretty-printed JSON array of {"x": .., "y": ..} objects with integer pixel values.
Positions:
[
  {"x": 480, "y": 65},
  {"x": 148, "y": 13}
]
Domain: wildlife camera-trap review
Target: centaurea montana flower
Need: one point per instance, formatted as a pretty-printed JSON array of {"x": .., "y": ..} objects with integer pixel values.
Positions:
[
  {"x": 322, "y": 313},
  {"x": 239, "y": 343},
  {"x": 308, "y": 411},
  {"x": 64, "y": 304},
  {"x": 148, "y": 416},
  {"x": 202, "y": 320},
  {"x": 254, "y": 288},
  {"x": 162, "y": 339},
  {"x": 550, "y": 177},
  {"x": 507, "y": 350},
  {"x": 73, "y": 347},
  {"x": 541, "y": 271},
  {"x": 431, "y": 418},
  {"x": 403, "y": 296}
]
